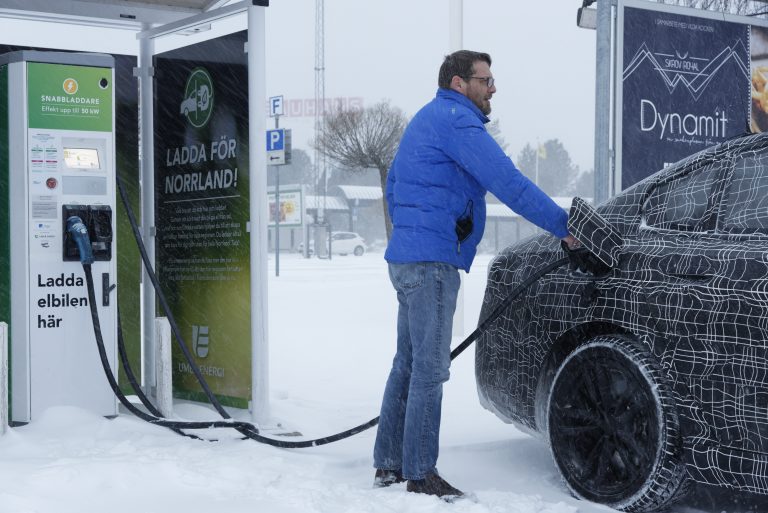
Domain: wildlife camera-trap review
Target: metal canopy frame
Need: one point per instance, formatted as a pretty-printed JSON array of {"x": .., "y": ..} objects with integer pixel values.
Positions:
[
  {"x": 124, "y": 14},
  {"x": 152, "y": 19}
]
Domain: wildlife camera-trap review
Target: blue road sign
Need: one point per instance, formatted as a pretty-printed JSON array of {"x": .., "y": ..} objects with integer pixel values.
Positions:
[{"x": 276, "y": 139}]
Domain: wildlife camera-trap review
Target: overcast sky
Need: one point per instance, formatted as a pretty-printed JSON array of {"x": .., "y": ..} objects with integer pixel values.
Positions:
[{"x": 543, "y": 63}]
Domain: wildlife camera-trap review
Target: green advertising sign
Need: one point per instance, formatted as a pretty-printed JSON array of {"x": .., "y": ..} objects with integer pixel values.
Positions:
[
  {"x": 69, "y": 97},
  {"x": 202, "y": 213}
]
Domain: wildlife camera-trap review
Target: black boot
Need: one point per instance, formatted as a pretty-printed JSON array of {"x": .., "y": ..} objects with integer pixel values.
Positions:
[
  {"x": 384, "y": 478},
  {"x": 433, "y": 484}
]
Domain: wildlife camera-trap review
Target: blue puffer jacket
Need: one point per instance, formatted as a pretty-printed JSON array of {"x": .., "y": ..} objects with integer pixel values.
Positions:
[{"x": 436, "y": 187}]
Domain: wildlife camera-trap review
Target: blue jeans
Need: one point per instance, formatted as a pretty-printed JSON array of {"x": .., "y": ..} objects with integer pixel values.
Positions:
[{"x": 409, "y": 424}]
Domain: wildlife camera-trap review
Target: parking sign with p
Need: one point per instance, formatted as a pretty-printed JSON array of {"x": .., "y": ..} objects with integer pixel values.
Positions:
[{"x": 278, "y": 146}]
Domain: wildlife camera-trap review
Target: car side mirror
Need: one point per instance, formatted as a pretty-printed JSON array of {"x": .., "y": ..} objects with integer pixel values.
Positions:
[{"x": 598, "y": 236}]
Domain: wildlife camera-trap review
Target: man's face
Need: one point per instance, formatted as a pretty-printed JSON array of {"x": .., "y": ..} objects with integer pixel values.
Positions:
[{"x": 477, "y": 87}]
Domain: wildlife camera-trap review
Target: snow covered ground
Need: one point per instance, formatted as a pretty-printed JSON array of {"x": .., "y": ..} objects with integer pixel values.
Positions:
[{"x": 332, "y": 335}]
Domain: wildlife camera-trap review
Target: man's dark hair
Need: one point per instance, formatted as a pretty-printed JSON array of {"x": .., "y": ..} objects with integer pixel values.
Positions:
[{"x": 460, "y": 63}]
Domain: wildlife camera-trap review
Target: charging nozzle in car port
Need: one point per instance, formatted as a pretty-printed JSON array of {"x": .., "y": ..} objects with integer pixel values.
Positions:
[{"x": 601, "y": 242}]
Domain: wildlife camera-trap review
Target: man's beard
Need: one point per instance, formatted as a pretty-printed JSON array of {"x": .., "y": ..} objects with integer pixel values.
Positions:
[{"x": 484, "y": 106}]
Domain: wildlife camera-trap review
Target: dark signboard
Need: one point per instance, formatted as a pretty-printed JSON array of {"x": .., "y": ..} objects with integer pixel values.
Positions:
[
  {"x": 202, "y": 211},
  {"x": 686, "y": 86}
]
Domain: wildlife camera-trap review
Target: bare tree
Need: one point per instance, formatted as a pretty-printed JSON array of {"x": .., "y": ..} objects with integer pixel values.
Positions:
[{"x": 362, "y": 139}]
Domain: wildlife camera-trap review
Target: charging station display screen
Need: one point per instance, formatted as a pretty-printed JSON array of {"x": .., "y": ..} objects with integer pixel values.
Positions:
[{"x": 81, "y": 158}]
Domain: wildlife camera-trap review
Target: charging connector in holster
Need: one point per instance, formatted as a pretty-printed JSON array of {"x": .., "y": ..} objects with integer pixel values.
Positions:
[{"x": 97, "y": 219}]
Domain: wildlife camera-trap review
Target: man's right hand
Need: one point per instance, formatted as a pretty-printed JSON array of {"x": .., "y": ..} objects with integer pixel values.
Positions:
[{"x": 571, "y": 242}]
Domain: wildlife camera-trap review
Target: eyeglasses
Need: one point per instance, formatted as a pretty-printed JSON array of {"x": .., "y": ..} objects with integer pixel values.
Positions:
[{"x": 489, "y": 81}]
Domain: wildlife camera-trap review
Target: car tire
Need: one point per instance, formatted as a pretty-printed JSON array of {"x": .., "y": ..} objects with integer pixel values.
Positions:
[
  {"x": 613, "y": 427},
  {"x": 359, "y": 250}
]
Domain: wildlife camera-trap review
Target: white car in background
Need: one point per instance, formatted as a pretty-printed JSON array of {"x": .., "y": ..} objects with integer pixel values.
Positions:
[{"x": 342, "y": 243}]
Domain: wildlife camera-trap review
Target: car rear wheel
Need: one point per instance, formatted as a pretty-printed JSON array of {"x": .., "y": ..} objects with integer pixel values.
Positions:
[
  {"x": 613, "y": 427},
  {"x": 359, "y": 251}
]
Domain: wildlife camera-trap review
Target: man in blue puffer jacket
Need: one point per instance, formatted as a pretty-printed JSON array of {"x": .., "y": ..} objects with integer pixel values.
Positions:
[{"x": 436, "y": 188}]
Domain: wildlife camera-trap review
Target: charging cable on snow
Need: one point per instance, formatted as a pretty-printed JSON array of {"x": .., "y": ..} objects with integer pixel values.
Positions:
[{"x": 247, "y": 429}]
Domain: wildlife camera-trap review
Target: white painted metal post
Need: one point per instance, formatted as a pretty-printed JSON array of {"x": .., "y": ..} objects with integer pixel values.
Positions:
[
  {"x": 164, "y": 367},
  {"x": 456, "y": 43},
  {"x": 147, "y": 159},
  {"x": 3, "y": 377},
  {"x": 257, "y": 155},
  {"x": 456, "y": 28}
]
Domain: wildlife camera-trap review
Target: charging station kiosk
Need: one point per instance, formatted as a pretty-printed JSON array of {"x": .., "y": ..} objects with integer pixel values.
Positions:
[{"x": 59, "y": 129}]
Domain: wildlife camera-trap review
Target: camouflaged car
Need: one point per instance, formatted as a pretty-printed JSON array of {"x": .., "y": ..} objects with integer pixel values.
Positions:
[{"x": 653, "y": 373}]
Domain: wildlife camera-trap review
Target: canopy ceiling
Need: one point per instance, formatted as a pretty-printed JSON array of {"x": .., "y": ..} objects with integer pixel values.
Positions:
[{"x": 108, "y": 13}]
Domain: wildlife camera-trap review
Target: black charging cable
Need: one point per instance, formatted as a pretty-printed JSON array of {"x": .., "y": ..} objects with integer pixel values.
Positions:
[
  {"x": 134, "y": 382},
  {"x": 247, "y": 429}
]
